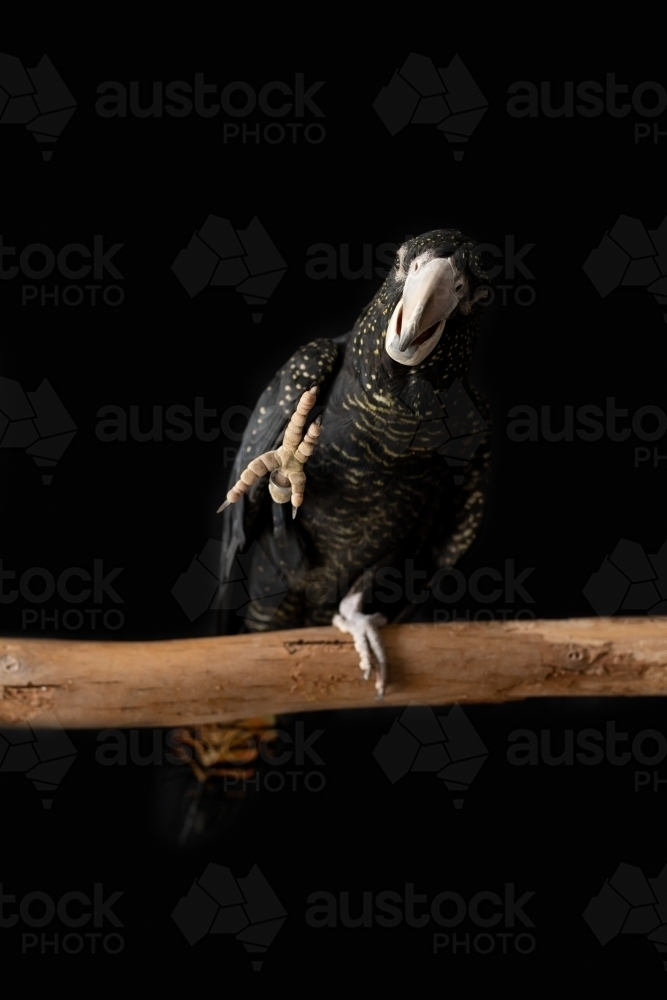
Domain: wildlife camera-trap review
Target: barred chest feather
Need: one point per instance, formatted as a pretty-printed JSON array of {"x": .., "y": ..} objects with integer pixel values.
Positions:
[{"x": 376, "y": 479}]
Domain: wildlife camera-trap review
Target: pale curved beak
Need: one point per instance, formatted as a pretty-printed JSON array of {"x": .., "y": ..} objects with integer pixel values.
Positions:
[{"x": 419, "y": 318}]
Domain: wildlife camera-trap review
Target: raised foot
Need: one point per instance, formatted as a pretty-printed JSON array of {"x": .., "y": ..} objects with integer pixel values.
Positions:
[
  {"x": 365, "y": 631},
  {"x": 285, "y": 464}
]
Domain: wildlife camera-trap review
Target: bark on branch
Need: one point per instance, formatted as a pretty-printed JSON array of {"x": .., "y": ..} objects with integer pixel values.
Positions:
[{"x": 190, "y": 681}]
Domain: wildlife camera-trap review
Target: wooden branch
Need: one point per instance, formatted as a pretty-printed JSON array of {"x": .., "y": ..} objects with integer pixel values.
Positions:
[{"x": 189, "y": 681}]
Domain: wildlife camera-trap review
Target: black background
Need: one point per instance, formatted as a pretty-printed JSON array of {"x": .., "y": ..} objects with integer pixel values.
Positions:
[{"x": 559, "y": 507}]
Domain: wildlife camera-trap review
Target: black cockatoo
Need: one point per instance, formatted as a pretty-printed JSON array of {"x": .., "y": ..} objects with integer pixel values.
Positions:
[{"x": 378, "y": 441}]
